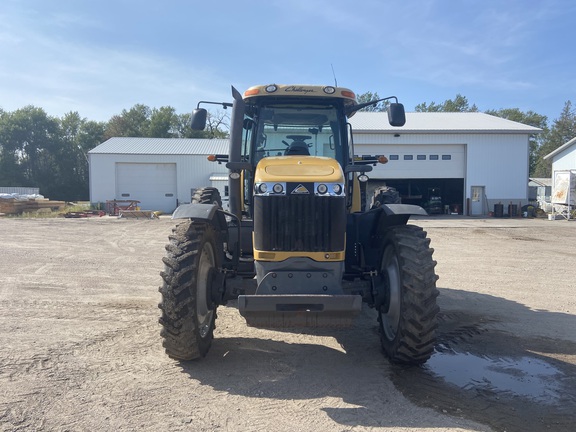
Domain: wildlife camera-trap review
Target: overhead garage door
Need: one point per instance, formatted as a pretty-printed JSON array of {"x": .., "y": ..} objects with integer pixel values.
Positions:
[
  {"x": 153, "y": 184},
  {"x": 431, "y": 176},
  {"x": 419, "y": 161}
]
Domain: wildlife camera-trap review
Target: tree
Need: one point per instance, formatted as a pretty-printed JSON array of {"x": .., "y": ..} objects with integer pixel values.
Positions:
[
  {"x": 78, "y": 136},
  {"x": 163, "y": 123},
  {"x": 217, "y": 124},
  {"x": 141, "y": 121},
  {"x": 369, "y": 96},
  {"x": 563, "y": 130},
  {"x": 29, "y": 139},
  {"x": 132, "y": 123},
  {"x": 458, "y": 104},
  {"x": 529, "y": 118}
]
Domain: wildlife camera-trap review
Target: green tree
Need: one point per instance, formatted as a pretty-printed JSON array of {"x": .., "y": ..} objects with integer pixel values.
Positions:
[
  {"x": 529, "y": 118},
  {"x": 78, "y": 136},
  {"x": 142, "y": 121},
  {"x": 163, "y": 123},
  {"x": 29, "y": 138},
  {"x": 563, "y": 130},
  {"x": 458, "y": 104},
  {"x": 134, "y": 122},
  {"x": 369, "y": 96}
]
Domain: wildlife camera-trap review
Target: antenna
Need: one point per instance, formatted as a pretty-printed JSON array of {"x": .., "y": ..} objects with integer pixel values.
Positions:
[{"x": 334, "y": 74}]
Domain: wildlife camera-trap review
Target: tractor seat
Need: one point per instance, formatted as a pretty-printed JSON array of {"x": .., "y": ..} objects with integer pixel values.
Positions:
[{"x": 299, "y": 148}]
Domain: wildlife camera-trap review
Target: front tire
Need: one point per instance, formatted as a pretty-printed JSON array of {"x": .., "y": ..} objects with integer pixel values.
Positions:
[
  {"x": 408, "y": 316},
  {"x": 188, "y": 313}
]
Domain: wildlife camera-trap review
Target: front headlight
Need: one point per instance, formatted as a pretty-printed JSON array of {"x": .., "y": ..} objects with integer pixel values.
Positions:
[
  {"x": 328, "y": 189},
  {"x": 269, "y": 188}
]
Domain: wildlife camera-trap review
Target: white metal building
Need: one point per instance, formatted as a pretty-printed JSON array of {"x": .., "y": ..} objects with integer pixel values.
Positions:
[
  {"x": 564, "y": 157},
  {"x": 158, "y": 172},
  {"x": 470, "y": 161}
]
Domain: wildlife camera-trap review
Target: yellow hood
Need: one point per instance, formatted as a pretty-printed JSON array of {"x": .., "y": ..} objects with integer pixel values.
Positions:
[{"x": 299, "y": 169}]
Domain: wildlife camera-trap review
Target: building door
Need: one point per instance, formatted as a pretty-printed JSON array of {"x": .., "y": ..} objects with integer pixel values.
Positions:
[
  {"x": 478, "y": 203},
  {"x": 153, "y": 184}
]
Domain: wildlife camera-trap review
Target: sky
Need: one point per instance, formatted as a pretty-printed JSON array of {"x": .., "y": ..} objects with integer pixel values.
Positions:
[{"x": 100, "y": 57}]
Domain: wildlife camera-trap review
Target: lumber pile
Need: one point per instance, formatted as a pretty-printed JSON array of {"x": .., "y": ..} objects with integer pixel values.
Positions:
[{"x": 13, "y": 205}]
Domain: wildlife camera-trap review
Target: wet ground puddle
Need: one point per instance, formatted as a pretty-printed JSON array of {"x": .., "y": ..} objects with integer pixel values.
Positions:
[
  {"x": 508, "y": 393},
  {"x": 526, "y": 377}
]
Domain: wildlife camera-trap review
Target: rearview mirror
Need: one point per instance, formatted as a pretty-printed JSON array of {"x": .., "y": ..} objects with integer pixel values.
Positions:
[
  {"x": 198, "y": 119},
  {"x": 396, "y": 114}
]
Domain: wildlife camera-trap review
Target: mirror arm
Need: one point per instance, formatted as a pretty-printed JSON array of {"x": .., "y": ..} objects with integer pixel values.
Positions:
[
  {"x": 357, "y": 107},
  {"x": 224, "y": 104}
]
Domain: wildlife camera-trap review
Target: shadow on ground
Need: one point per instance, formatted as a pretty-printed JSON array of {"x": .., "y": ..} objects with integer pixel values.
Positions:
[{"x": 478, "y": 372}]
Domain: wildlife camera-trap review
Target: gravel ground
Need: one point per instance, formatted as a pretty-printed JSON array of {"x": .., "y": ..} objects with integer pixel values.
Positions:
[{"x": 80, "y": 348}]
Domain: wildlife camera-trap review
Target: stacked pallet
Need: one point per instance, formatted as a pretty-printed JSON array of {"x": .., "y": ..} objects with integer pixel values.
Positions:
[{"x": 12, "y": 206}]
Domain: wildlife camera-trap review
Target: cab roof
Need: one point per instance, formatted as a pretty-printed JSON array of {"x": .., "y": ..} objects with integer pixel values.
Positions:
[{"x": 301, "y": 90}]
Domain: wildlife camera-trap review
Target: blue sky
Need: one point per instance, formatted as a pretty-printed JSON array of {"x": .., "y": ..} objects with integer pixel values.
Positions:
[{"x": 99, "y": 57}]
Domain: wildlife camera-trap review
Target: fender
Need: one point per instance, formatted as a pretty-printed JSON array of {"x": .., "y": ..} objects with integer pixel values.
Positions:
[
  {"x": 202, "y": 212},
  {"x": 403, "y": 209},
  {"x": 395, "y": 214}
]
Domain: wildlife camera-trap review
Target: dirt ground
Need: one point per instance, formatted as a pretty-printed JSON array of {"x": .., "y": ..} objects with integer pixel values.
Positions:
[{"x": 80, "y": 348}]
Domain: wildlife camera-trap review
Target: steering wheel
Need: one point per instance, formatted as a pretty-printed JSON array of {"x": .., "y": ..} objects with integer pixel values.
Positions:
[{"x": 297, "y": 139}]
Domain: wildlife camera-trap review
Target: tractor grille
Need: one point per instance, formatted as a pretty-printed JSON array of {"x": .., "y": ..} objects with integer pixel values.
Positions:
[{"x": 293, "y": 223}]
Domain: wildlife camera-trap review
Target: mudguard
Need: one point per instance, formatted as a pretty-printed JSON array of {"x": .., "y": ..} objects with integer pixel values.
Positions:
[
  {"x": 201, "y": 212},
  {"x": 195, "y": 211},
  {"x": 404, "y": 209}
]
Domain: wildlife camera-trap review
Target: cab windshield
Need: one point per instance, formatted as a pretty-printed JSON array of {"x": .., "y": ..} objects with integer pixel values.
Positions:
[{"x": 296, "y": 130}]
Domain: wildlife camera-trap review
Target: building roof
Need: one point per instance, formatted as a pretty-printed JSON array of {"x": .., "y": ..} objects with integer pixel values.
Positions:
[
  {"x": 162, "y": 146},
  {"x": 440, "y": 122},
  {"x": 362, "y": 122},
  {"x": 561, "y": 148},
  {"x": 545, "y": 182}
]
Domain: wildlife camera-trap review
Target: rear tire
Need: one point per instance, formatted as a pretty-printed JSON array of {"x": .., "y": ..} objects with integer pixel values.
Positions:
[
  {"x": 207, "y": 195},
  {"x": 188, "y": 313},
  {"x": 385, "y": 195},
  {"x": 408, "y": 319}
]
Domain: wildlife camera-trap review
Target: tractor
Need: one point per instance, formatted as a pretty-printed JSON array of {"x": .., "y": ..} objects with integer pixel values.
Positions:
[{"x": 298, "y": 245}]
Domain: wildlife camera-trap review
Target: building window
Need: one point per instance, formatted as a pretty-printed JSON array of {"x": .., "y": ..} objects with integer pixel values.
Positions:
[
  {"x": 446, "y": 157},
  {"x": 421, "y": 157},
  {"x": 433, "y": 157},
  {"x": 393, "y": 157},
  {"x": 408, "y": 157}
]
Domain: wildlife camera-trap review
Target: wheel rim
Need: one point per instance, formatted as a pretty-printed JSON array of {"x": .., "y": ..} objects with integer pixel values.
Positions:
[
  {"x": 203, "y": 312},
  {"x": 390, "y": 320}
]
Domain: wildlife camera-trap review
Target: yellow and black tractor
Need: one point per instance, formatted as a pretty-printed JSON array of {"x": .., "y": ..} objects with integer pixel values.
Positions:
[{"x": 297, "y": 245}]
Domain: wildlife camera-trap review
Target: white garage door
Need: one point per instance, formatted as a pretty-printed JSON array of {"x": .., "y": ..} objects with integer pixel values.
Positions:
[
  {"x": 153, "y": 184},
  {"x": 418, "y": 161}
]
